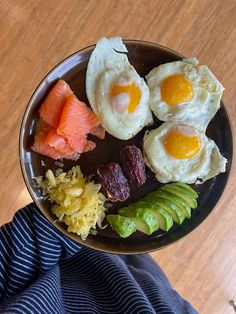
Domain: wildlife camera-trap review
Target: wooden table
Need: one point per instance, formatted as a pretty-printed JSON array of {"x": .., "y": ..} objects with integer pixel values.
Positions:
[{"x": 36, "y": 35}]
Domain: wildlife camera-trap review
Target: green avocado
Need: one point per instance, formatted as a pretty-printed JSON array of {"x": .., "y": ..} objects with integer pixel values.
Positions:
[
  {"x": 186, "y": 187},
  {"x": 178, "y": 201},
  {"x": 158, "y": 209},
  {"x": 184, "y": 193},
  {"x": 122, "y": 225},
  {"x": 167, "y": 205},
  {"x": 163, "y": 217},
  {"x": 145, "y": 221}
]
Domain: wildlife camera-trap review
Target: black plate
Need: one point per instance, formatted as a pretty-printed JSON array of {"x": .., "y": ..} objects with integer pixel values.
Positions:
[{"x": 143, "y": 56}]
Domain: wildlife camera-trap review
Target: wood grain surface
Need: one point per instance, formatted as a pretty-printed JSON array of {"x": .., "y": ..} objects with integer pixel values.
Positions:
[{"x": 36, "y": 35}]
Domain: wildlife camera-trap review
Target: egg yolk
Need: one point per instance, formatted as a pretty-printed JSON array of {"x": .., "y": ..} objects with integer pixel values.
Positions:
[
  {"x": 176, "y": 89},
  {"x": 180, "y": 145},
  {"x": 132, "y": 90}
]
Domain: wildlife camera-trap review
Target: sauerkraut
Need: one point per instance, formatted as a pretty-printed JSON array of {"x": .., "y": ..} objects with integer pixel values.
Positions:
[{"x": 76, "y": 200}]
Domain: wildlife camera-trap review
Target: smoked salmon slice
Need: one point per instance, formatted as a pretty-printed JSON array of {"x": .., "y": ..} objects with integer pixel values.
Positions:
[
  {"x": 51, "y": 109},
  {"x": 58, "y": 142},
  {"x": 99, "y": 132},
  {"x": 64, "y": 125},
  {"x": 42, "y": 147},
  {"x": 80, "y": 143},
  {"x": 42, "y": 126},
  {"x": 77, "y": 118}
]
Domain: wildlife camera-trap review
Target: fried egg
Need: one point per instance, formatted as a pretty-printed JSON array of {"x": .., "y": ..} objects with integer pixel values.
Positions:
[
  {"x": 178, "y": 152},
  {"x": 115, "y": 90},
  {"x": 184, "y": 92}
]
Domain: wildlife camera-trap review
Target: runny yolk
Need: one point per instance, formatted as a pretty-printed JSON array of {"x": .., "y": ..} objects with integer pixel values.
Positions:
[
  {"x": 176, "y": 89},
  {"x": 180, "y": 145},
  {"x": 132, "y": 90}
]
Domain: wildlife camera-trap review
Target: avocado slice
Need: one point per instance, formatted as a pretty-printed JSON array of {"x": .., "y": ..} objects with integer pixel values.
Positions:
[
  {"x": 175, "y": 210},
  {"x": 164, "y": 218},
  {"x": 178, "y": 201},
  {"x": 145, "y": 221},
  {"x": 170, "y": 207},
  {"x": 122, "y": 225},
  {"x": 185, "y": 194},
  {"x": 149, "y": 219},
  {"x": 186, "y": 187},
  {"x": 125, "y": 226}
]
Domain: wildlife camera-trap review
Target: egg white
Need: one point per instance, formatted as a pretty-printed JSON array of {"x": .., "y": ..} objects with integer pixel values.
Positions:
[
  {"x": 104, "y": 57},
  {"x": 122, "y": 125},
  {"x": 205, "y": 165},
  {"x": 197, "y": 112},
  {"x": 107, "y": 64}
]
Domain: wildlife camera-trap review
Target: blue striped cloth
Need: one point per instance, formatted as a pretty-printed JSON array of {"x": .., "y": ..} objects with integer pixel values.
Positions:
[{"x": 43, "y": 271}]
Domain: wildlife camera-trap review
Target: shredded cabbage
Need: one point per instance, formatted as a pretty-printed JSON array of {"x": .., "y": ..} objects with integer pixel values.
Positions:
[{"x": 77, "y": 202}]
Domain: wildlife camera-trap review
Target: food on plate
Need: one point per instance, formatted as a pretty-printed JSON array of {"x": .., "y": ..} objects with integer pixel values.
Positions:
[
  {"x": 184, "y": 92},
  {"x": 161, "y": 215},
  {"x": 76, "y": 122},
  {"x": 158, "y": 209},
  {"x": 51, "y": 109},
  {"x": 113, "y": 182},
  {"x": 125, "y": 226},
  {"x": 133, "y": 165},
  {"x": 77, "y": 201},
  {"x": 64, "y": 125},
  {"x": 116, "y": 92},
  {"x": 177, "y": 152},
  {"x": 40, "y": 146},
  {"x": 122, "y": 225}
]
